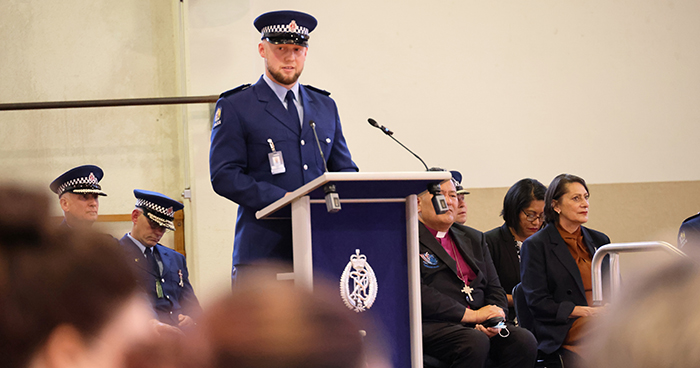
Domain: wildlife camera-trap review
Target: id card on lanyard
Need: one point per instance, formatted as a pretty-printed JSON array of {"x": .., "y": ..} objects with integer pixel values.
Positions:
[{"x": 276, "y": 159}]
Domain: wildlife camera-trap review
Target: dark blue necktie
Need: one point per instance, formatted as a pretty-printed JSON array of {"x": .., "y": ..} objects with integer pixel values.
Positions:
[
  {"x": 151, "y": 259},
  {"x": 292, "y": 108}
]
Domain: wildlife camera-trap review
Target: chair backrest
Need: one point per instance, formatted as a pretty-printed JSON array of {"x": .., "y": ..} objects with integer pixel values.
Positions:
[{"x": 521, "y": 310}]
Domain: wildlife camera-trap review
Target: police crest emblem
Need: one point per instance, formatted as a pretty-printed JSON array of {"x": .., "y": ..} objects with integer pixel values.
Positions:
[{"x": 358, "y": 283}]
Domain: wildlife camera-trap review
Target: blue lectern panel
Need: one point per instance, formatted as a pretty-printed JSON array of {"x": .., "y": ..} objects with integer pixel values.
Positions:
[{"x": 378, "y": 231}]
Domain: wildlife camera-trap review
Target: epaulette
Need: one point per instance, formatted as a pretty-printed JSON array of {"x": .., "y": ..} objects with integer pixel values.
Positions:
[
  {"x": 242, "y": 87},
  {"x": 321, "y": 91},
  {"x": 691, "y": 217}
]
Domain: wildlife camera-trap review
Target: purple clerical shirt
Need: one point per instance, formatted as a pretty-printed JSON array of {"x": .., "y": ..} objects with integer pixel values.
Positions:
[{"x": 463, "y": 270}]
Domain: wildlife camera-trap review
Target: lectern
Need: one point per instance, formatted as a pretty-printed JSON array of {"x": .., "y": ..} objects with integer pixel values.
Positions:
[{"x": 370, "y": 247}]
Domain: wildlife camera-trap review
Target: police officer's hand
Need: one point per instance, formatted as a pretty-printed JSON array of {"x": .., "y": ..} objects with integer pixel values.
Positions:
[{"x": 185, "y": 321}]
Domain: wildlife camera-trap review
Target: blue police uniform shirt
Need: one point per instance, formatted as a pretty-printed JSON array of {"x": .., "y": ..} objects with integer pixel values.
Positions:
[
  {"x": 143, "y": 252},
  {"x": 281, "y": 93}
]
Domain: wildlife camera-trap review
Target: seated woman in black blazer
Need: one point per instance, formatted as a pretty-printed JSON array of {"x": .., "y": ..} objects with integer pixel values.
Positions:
[
  {"x": 556, "y": 268},
  {"x": 523, "y": 212}
]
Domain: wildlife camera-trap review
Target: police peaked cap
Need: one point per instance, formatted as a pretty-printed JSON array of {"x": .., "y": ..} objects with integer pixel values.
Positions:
[
  {"x": 285, "y": 27},
  {"x": 79, "y": 180},
  {"x": 157, "y": 207}
]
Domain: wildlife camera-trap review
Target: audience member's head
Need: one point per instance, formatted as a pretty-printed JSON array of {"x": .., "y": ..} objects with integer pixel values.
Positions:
[
  {"x": 272, "y": 324},
  {"x": 523, "y": 207},
  {"x": 67, "y": 298},
  {"x": 78, "y": 191},
  {"x": 560, "y": 186},
  {"x": 461, "y": 210},
  {"x": 653, "y": 324}
]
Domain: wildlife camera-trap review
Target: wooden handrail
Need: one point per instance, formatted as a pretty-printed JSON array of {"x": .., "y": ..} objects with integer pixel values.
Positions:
[
  {"x": 108, "y": 103},
  {"x": 179, "y": 222}
]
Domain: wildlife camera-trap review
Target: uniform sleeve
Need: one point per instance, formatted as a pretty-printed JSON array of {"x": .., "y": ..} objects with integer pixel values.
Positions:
[
  {"x": 534, "y": 281},
  {"x": 339, "y": 158},
  {"x": 189, "y": 302},
  {"x": 228, "y": 162}
]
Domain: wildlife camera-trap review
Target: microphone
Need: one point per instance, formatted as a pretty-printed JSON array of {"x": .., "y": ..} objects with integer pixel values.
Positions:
[
  {"x": 332, "y": 198},
  {"x": 439, "y": 201},
  {"x": 388, "y": 132},
  {"x": 312, "y": 124},
  {"x": 382, "y": 128}
]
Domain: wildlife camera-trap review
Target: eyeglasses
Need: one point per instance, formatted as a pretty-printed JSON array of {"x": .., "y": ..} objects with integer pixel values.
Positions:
[{"x": 532, "y": 217}]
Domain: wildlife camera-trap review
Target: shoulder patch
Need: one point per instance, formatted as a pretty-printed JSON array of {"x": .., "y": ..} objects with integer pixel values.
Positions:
[
  {"x": 217, "y": 117},
  {"x": 242, "y": 87},
  {"x": 318, "y": 90}
]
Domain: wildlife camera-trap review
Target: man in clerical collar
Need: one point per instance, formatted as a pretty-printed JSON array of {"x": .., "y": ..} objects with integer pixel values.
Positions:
[
  {"x": 78, "y": 192},
  {"x": 461, "y": 292}
]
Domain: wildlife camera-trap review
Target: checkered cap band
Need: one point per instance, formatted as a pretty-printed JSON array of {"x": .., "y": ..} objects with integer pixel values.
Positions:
[
  {"x": 284, "y": 28},
  {"x": 86, "y": 184}
]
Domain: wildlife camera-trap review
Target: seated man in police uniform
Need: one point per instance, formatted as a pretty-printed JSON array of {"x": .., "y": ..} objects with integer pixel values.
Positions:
[
  {"x": 460, "y": 290},
  {"x": 78, "y": 191},
  {"x": 162, "y": 271}
]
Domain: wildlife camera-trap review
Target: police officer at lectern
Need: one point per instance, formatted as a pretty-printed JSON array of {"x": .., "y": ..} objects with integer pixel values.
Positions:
[{"x": 262, "y": 145}]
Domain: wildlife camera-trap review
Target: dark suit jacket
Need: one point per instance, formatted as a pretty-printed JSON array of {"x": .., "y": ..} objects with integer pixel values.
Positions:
[
  {"x": 177, "y": 299},
  {"x": 442, "y": 298},
  {"x": 552, "y": 283},
  {"x": 505, "y": 258},
  {"x": 240, "y": 168}
]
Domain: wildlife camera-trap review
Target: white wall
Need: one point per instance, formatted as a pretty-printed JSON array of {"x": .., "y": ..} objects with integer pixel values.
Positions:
[{"x": 604, "y": 89}]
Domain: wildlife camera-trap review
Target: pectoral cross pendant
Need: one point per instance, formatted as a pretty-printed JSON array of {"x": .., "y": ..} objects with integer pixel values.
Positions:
[{"x": 468, "y": 290}]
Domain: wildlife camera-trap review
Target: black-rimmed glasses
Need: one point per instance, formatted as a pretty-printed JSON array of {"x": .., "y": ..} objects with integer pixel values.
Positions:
[{"x": 532, "y": 217}]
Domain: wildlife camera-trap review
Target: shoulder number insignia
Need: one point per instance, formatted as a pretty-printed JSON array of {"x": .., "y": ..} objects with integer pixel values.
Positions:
[
  {"x": 318, "y": 90},
  {"x": 242, "y": 87}
]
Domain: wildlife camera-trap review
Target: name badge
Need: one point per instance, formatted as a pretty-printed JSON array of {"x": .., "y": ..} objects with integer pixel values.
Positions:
[
  {"x": 276, "y": 159},
  {"x": 276, "y": 162}
]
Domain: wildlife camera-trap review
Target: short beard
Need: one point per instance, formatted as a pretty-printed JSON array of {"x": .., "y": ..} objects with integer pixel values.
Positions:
[{"x": 283, "y": 79}]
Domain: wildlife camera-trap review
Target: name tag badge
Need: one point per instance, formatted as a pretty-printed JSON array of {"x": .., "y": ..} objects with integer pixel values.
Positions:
[{"x": 276, "y": 162}]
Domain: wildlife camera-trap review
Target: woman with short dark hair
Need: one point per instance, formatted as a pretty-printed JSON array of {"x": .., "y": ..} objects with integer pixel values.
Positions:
[
  {"x": 556, "y": 269},
  {"x": 522, "y": 211}
]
